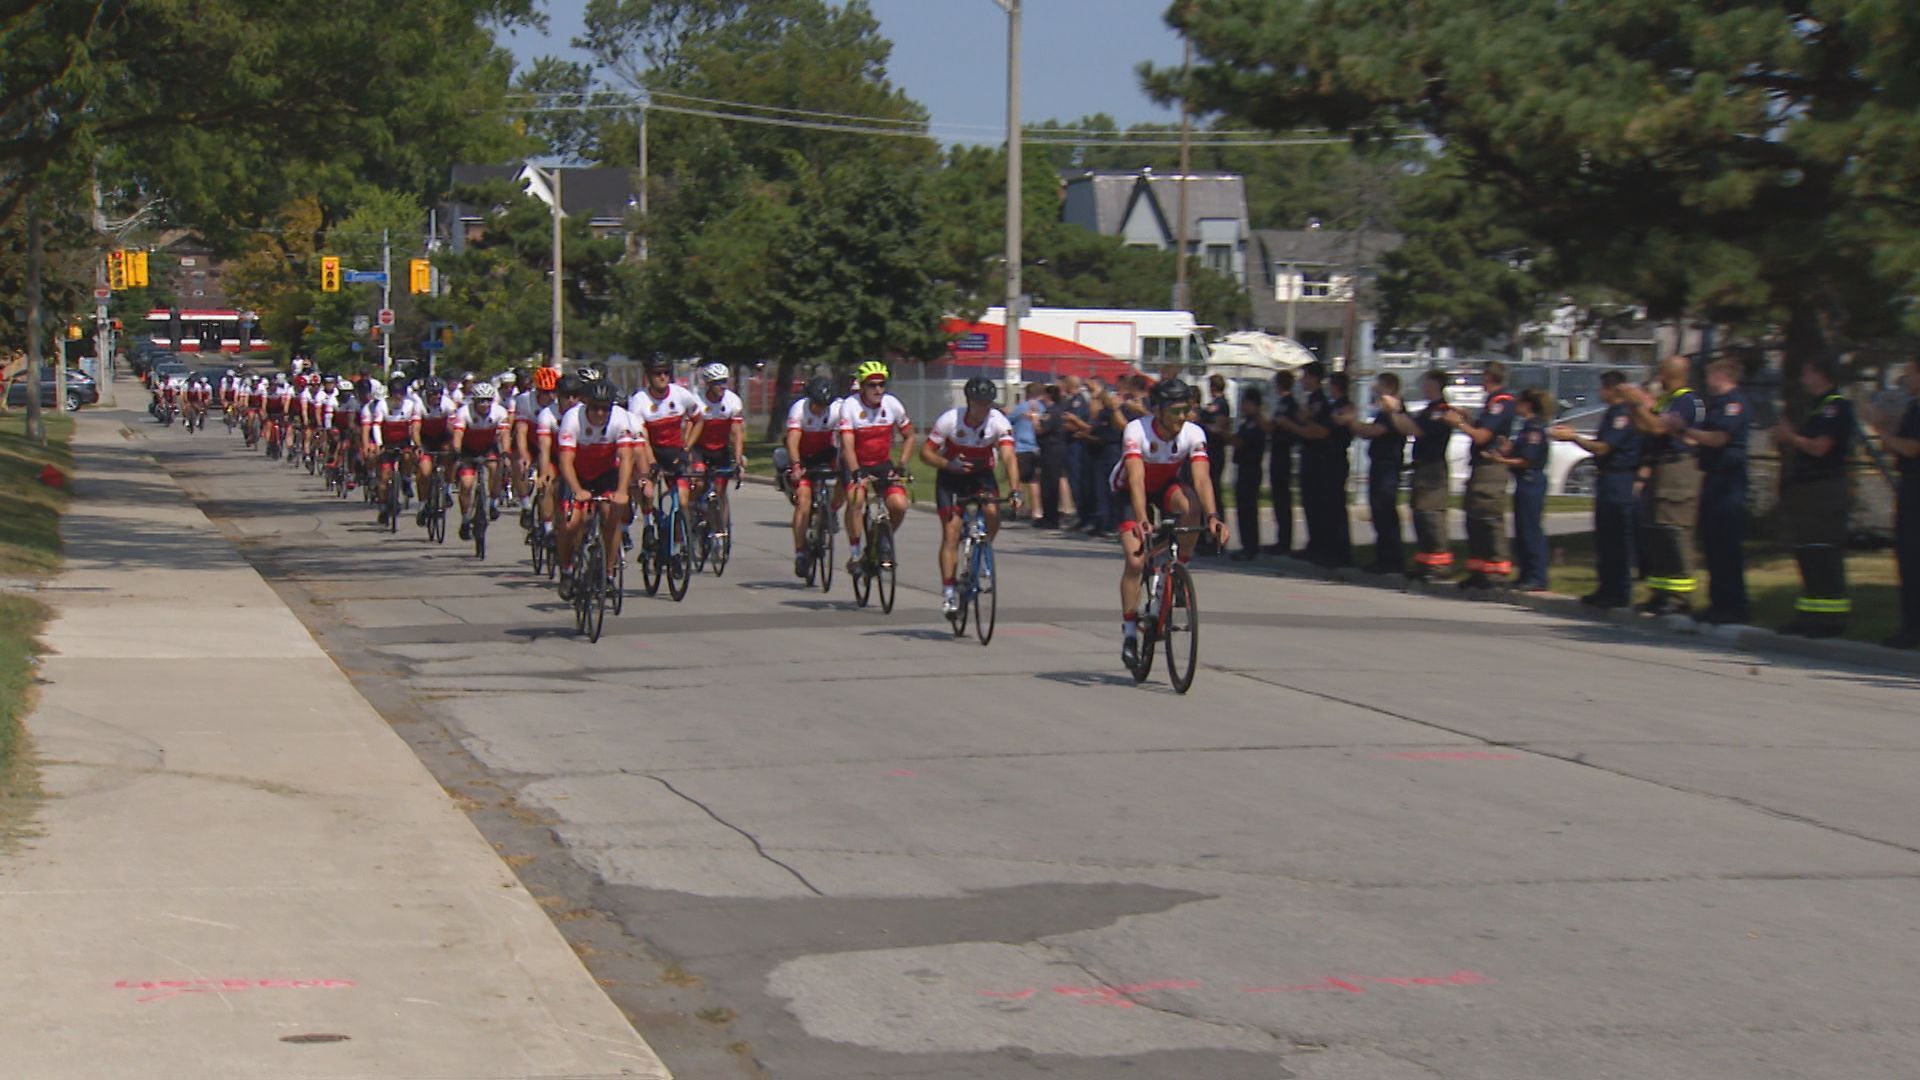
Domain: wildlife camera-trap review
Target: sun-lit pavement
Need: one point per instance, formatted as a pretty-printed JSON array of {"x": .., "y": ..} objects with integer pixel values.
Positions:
[{"x": 1385, "y": 836}]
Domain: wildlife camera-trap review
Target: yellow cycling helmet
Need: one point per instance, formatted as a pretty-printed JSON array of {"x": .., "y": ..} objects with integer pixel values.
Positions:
[{"x": 872, "y": 369}]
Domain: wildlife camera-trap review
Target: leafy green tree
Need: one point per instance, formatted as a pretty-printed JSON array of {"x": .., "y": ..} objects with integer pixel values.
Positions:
[{"x": 1750, "y": 161}]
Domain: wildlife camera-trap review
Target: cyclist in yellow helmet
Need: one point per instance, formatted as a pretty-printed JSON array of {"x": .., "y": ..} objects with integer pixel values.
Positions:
[{"x": 869, "y": 422}]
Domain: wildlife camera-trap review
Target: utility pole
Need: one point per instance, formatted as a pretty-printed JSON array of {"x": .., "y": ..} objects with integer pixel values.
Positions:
[
  {"x": 386, "y": 303},
  {"x": 643, "y": 182},
  {"x": 102, "y": 327},
  {"x": 1180, "y": 302},
  {"x": 559, "y": 294},
  {"x": 1014, "y": 212},
  {"x": 36, "y": 424}
]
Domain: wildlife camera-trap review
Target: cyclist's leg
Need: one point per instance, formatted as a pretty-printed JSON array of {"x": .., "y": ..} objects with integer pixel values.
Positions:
[
  {"x": 465, "y": 473},
  {"x": 856, "y": 511},
  {"x": 610, "y": 523},
  {"x": 572, "y": 526},
  {"x": 897, "y": 502},
  {"x": 1183, "y": 506}
]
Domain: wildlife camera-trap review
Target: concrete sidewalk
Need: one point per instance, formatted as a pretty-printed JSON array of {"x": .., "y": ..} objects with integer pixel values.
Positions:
[{"x": 241, "y": 871}]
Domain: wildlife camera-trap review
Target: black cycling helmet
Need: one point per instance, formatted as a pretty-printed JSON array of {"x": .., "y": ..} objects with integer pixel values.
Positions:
[
  {"x": 601, "y": 392},
  {"x": 569, "y": 386},
  {"x": 1169, "y": 392},
  {"x": 820, "y": 390},
  {"x": 435, "y": 386},
  {"x": 658, "y": 364},
  {"x": 398, "y": 384},
  {"x": 980, "y": 388}
]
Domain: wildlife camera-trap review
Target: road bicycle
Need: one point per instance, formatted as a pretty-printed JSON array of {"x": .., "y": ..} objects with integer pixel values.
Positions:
[
  {"x": 594, "y": 590},
  {"x": 877, "y": 570},
  {"x": 975, "y": 581},
  {"x": 479, "y": 510},
  {"x": 666, "y": 547},
  {"x": 435, "y": 501},
  {"x": 1169, "y": 610},
  {"x": 713, "y": 520},
  {"x": 393, "y": 466},
  {"x": 822, "y": 523}
]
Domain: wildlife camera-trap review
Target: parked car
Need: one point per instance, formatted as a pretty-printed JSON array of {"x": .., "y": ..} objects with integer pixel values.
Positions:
[
  {"x": 81, "y": 390},
  {"x": 1570, "y": 470},
  {"x": 167, "y": 368}
]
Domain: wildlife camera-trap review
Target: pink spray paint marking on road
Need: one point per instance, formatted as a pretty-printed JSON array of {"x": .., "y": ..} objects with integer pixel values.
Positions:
[
  {"x": 162, "y": 989},
  {"x": 1121, "y": 996},
  {"x": 1450, "y": 755}
]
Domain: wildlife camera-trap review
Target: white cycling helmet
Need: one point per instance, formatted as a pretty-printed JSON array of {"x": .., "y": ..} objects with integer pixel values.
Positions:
[
  {"x": 483, "y": 391},
  {"x": 508, "y": 379},
  {"x": 715, "y": 373}
]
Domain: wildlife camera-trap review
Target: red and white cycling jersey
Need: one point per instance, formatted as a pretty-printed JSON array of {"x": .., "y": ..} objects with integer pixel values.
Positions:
[
  {"x": 435, "y": 415},
  {"x": 1162, "y": 457},
  {"x": 818, "y": 430},
  {"x": 722, "y": 417},
  {"x": 953, "y": 437},
  {"x": 544, "y": 426},
  {"x": 666, "y": 417},
  {"x": 526, "y": 409},
  {"x": 257, "y": 395},
  {"x": 278, "y": 398},
  {"x": 390, "y": 423},
  {"x": 478, "y": 434},
  {"x": 596, "y": 448},
  {"x": 873, "y": 428}
]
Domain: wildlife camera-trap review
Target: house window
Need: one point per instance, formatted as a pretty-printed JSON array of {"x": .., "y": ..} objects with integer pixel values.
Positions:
[
  {"x": 1315, "y": 284},
  {"x": 1220, "y": 258}
]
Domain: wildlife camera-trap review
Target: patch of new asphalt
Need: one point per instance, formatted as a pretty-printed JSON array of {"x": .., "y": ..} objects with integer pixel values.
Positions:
[{"x": 1385, "y": 836}]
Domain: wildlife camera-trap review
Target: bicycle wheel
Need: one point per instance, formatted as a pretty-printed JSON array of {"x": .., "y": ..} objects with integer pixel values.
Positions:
[
  {"x": 393, "y": 504},
  {"x": 722, "y": 539},
  {"x": 824, "y": 560},
  {"x": 884, "y": 575},
  {"x": 1148, "y": 631},
  {"x": 1180, "y": 621},
  {"x": 702, "y": 539},
  {"x": 596, "y": 589},
  {"x": 652, "y": 565},
  {"x": 985, "y": 606},
  {"x": 960, "y": 611},
  {"x": 580, "y": 590},
  {"x": 537, "y": 549},
  {"x": 618, "y": 583},
  {"x": 482, "y": 501},
  {"x": 679, "y": 555}
]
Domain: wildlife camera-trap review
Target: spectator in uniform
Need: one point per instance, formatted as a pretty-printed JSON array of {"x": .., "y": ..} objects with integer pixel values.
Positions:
[
  {"x": 1283, "y": 430},
  {"x": 1431, "y": 433},
  {"x": 1815, "y": 501},
  {"x": 1903, "y": 441},
  {"x": 1026, "y": 444},
  {"x": 1720, "y": 442},
  {"x": 1080, "y": 465},
  {"x": 1674, "y": 479},
  {"x": 1216, "y": 418},
  {"x": 1051, "y": 433},
  {"x": 1249, "y": 448},
  {"x": 1487, "y": 555},
  {"x": 1329, "y": 528},
  {"x": 1616, "y": 453},
  {"x": 1109, "y": 425},
  {"x": 1526, "y": 458},
  {"x": 1386, "y": 454}
]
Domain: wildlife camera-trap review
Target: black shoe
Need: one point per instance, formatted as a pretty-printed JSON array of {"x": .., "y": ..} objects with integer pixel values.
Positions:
[
  {"x": 1905, "y": 639},
  {"x": 1130, "y": 653},
  {"x": 493, "y": 513},
  {"x": 1382, "y": 568},
  {"x": 802, "y": 562},
  {"x": 1796, "y": 628},
  {"x": 466, "y": 530},
  {"x": 383, "y": 519},
  {"x": 1275, "y": 549},
  {"x": 566, "y": 583},
  {"x": 1604, "y": 603},
  {"x": 1244, "y": 555},
  {"x": 1474, "y": 581},
  {"x": 1714, "y": 616},
  {"x": 1825, "y": 630}
]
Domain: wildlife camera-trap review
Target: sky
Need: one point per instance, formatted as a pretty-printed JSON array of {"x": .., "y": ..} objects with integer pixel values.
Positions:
[{"x": 950, "y": 55}]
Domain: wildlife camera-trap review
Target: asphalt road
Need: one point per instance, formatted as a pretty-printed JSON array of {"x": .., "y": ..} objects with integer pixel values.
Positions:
[{"x": 1386, "y": 836}]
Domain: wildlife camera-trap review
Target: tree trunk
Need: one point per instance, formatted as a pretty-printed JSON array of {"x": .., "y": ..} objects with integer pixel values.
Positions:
[
  {"x": 36, "y": 424},
  {"x": 780, "y": 397}
]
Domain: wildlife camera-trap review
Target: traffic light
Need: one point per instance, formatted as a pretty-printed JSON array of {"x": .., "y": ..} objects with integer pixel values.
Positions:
[
  {"x": 137, "y": 269},
  {"x": 116, "y": 270},
  {"x": 419, "y": 276},
  {"x": 74, "y": 332},
  {"x": 330, "y": 273}
]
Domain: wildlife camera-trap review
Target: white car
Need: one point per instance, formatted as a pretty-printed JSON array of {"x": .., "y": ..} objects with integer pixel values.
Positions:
[{"x": 1570, "y": 470}]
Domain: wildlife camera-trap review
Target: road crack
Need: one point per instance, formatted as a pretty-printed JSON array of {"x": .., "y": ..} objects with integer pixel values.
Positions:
[{"x": 751, "y": 839}]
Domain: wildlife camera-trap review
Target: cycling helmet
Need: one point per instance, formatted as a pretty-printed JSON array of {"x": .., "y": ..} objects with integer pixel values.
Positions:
[
  {"x": 484, "y": 391},
  {"x": 980, "y": 388},
  {"x": 601, "y": 392},
  {"x": 398, "y": 384},
  {"x": 820, "y": 390},
  {"x": 507, "y": 379},
  {"x": 715, "y": 373},
  {"x": 568, "y": 386},
  {"x": 523, "y": 376},
  {"x": 1169, "y": 392},
  {"x": 590, "y": 374},
  {"x": 872, "y": 369},
  {"x": 546, "y": 378},
  {"x": 659, "y": 364}
]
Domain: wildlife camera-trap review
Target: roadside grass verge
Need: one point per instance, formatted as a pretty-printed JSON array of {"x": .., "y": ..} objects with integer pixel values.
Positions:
[{"x": 29, "y": 549}]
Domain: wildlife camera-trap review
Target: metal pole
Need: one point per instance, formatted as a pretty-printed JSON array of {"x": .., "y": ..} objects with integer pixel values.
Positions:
[
  {"x": 1014, "y": 213},
  {"x": 643, "y": 183},
  {"x": 559, "y": 297},
  {"x": 1293, "y": 294},
  {"x": 386, "y": 302},
  {"x": 1180, "y": 302}
]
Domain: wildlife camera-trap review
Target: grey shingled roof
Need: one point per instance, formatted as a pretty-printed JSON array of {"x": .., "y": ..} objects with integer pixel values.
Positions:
[
  {"x": 601, "y": 194},
  {"x": 1209, "y": 195},
  {"x": 1321, "y": 247}
]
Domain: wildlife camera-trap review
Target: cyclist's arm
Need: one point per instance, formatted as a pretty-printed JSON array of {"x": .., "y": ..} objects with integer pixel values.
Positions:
[
  {"x": 906, "y": 449},
  {"x": 413, "y": 432},
  {"x": 694, "y": 427},
  {"x": 851, "y": 459},
  {"x": 740, "y": 445},
  {"x": 568, "y": 474},
  {"x": 929, "y": 455},
  {"x": 625, "y": 456},
  {"x": 793, "y": 446},
  {"x": 1136, "y": 474},
  {"x": 641, "y": 463},
  {"x": 1012, "y": 461},
  {"x": 1203, "y": 486}
]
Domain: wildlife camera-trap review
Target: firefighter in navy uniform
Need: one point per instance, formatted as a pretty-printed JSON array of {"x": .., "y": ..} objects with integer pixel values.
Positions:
[
  {"x": 1386, "y": 456},
  {"x": 1721, "y": 439},
  {"x": 1616, "y": 452},
  {"x": 1430, "y": 433},
  {"x": 1674, "y": 483},
  {"x": 1815, "y": 501},
  {"x": 1487, "y": 550},
  {"x": 1903, "y": 441},
  {"x": 1283, "y": 428}
]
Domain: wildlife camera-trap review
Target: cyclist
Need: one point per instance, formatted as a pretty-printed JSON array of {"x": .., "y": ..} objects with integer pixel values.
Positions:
[
  {"x": 306, "y": 410},
  {"x": 1163, "y": 464},
  {"x": 477, "y": 428},
  {"x": 340, "y": 415},
  {"x": 199, "y": 393},
  {"x": 229, "y": 394},
  {"x": 962, "y": 445},
  {"x": 392, "y": 427},
  {"x": 870, "y": 422},
  {"x": 459, "y": 393},
  {"x": 436, "y": 436},
  {"x": 672, "y": 416},
  {"x": 566, "y": 397},
  {"x": 722, "y": 443},
  {"x": 279, "y": 404},
  {"x": 813, "y": 436},
  {"x": 600, "y": 444},
  {"x": 526, "y": 412}
]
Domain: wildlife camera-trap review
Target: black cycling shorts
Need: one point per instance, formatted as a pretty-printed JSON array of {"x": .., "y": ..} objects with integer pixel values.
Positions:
[{"x": 951, "y": 491}]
